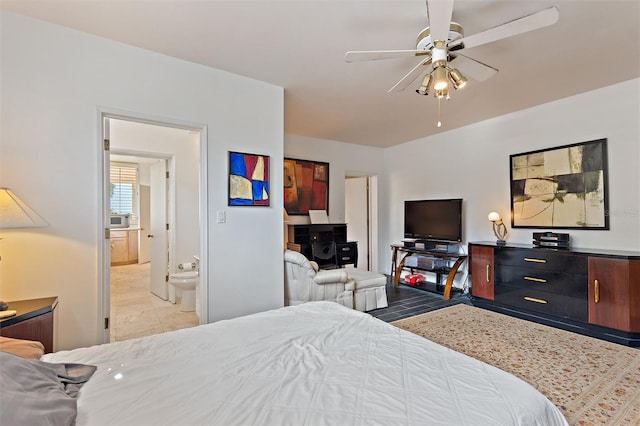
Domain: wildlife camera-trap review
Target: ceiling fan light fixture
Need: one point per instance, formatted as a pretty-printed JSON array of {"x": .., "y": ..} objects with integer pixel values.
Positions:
[
  {"x": 444, "y": 93},
  {"x": 440, "y": 81},
  {"x": 457, "y": 79},
  {"x": 424, "y": 86}
]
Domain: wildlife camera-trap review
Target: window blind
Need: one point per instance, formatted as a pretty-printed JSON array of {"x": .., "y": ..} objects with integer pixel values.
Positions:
[{"x": 124, "y": 181}]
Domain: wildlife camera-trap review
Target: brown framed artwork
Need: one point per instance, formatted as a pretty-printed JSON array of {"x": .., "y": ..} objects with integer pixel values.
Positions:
[
  {"x": 562, "y": 187},
  {"x": 306, "y": 186}
]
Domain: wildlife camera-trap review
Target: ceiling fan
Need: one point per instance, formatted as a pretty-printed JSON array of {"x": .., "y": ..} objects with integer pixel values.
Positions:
[{"x": 439, "y": 45}]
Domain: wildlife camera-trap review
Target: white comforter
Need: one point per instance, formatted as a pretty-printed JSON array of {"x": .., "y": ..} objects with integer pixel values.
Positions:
[{"x": 313, "y": 364}]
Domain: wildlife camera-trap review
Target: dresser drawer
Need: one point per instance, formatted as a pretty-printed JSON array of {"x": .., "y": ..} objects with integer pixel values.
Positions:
[
  {"x": 347, "y": 253},
  {"x": 550, "y": 281},
  {"x": 541, "y": 259},
  {"x": 543, "y": 302}
]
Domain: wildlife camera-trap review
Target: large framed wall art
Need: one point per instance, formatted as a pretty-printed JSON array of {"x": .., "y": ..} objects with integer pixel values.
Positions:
[
  {"x": 306, "y": 186},
  {"x": 562, "y": 187},
  {"x": 248, "y": 179}
]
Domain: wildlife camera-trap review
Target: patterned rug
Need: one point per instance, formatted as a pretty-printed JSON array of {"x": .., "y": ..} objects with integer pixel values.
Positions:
[{"x": 592, "y": 381}]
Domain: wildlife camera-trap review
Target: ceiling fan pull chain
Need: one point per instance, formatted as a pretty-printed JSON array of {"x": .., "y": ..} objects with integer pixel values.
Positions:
[{"x": 439, "y": 123}]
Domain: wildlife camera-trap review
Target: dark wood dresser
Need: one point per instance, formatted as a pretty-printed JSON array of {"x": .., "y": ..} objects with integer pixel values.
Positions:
[{"x": 592, "y": 292}]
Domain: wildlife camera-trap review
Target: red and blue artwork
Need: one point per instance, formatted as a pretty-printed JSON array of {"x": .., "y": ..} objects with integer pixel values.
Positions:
[{"x": 248, "y": 179}]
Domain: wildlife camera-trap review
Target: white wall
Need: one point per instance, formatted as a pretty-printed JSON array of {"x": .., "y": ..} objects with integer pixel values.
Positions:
[
  {"x": 343, "y": 158},
  {"x": 473, "y": 163},
  {"x": 54, "y": 80}
]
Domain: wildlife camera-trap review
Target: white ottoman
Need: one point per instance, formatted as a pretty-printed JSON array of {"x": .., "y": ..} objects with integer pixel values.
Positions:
[{"x": 370, "y": 289}]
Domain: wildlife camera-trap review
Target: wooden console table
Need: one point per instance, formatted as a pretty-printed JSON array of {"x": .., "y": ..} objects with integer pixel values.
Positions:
[
  {"x": 34, "y": 320},
  {"x": 397, "y": 267}
]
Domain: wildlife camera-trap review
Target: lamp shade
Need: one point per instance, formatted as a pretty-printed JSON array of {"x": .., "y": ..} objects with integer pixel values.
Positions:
[
  {"x": 494, "y": 217},
  {"x": 14, "y": 213}
]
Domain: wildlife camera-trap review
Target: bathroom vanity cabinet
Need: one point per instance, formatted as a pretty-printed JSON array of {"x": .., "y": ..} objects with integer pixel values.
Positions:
[{"x": 124, "y": 246}]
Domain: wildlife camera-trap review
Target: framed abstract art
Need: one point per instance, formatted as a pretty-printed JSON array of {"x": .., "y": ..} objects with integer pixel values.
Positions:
[
  {"x": 248, "y": 179},
  {"x": 306, "y": 186},
  {"x": 562, "y": 187}
]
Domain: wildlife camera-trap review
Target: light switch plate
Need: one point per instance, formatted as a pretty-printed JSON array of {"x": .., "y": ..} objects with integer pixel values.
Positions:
[{"x": 221, "y": 216}]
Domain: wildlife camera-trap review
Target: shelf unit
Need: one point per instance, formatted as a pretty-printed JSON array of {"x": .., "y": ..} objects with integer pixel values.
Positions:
[{"x": 448, "y": 273}]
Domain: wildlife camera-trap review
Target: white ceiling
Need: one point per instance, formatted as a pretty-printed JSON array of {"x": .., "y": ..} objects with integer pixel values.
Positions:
[{"x": 300, "y": 45}]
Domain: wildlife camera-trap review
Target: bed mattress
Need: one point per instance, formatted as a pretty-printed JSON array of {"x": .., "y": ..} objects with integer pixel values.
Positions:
[{"x": 312, "y": 364}]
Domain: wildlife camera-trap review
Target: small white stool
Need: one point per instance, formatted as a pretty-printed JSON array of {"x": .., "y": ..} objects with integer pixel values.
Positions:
[{"x": 370, "y": 289}]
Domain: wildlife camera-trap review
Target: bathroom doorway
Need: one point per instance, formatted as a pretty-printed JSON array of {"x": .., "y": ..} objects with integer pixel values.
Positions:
[{"x": 137, "y": 299}]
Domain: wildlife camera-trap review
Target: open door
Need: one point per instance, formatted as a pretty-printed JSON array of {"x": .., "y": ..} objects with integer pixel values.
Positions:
[
  {"x": 144, "y": 247},
  {"x": 157, "y": 234}
]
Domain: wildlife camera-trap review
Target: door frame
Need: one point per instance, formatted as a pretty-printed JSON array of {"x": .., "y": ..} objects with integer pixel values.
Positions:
[{"x": 103, "y": 220}]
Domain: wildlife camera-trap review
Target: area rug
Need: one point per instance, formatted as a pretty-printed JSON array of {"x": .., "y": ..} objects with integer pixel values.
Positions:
[{"x": 592, "y": 381}]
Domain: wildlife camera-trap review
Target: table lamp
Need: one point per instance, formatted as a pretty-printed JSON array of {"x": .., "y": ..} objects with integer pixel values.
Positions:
[
  {"x": 499, "y": 228},
  {"x": 15, "y": 214}
]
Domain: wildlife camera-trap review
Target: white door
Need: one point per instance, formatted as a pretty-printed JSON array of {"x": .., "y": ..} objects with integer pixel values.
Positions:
[
  {"x": 145, "y": 225},
  {"x": 157, "y": 234}
]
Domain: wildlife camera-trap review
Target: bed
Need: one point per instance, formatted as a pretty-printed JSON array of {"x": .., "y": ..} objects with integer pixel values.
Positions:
[{"x": 312, "y": 364}]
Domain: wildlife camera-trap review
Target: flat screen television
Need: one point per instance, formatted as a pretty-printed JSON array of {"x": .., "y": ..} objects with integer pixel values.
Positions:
[{"x": 438, "y": 220}]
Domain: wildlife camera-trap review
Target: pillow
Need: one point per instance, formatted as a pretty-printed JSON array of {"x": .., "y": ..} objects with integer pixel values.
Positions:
[
  {"x": 24, "y": 348},
  {"x": 36, "y": 392}
]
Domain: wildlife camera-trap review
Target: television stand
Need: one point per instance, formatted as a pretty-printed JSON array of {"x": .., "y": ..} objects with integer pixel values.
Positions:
[{"x": 440, "y": 272}]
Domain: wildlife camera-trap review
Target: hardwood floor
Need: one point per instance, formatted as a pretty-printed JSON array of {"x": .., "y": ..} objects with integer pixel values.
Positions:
[{"x": 405, "y": 301}]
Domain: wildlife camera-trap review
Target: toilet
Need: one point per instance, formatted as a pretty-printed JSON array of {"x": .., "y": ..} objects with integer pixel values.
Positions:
[{"x": 187, "y": 281}]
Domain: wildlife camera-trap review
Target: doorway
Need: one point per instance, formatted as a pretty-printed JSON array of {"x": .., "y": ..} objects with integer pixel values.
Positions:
[
  {"x": 361, "y": 215},
  {"x": 159, "y": 149}
]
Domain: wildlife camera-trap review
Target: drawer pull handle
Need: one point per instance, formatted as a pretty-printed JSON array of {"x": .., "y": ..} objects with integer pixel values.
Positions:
[
  {"x": 488, "y": 273},
  {"x": 538, "y": 280},
  {"x": 533, "y": 299},
  {"x": 596, "y": 291},
  {"x": 530, "y": 259},
  {"x": 346, "y": 249}
]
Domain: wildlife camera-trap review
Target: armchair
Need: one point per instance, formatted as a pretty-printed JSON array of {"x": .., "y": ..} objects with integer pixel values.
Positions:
[
  {"x": 354, "y": 288},
  {"x": 305, "y": 282}
]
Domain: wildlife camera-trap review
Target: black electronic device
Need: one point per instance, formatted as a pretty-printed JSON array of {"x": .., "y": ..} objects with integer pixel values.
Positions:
[
  {"x": 551, "y": 240},
  {"x": 552, "y": 244},
  {"x": 435, "y": 220},
  {"x": 551, "y": 236},
  {"x": 3, "y": 306}
]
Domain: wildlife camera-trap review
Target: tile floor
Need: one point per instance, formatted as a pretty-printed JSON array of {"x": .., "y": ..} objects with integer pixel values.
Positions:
[
  {"x": 405, "y": 301},
  {"x": 136, "y": 312}
]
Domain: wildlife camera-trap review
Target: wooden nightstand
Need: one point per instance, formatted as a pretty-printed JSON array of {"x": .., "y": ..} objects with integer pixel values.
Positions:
[{"x": 34, "y": 320}]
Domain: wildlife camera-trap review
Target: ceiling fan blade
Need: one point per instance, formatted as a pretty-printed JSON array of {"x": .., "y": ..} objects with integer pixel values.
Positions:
[
  {"x": 473, "y": 68},
  {"x": 439, "y": 13},
  {"x": 372, "y": 55},
  {"x": 410, "y": 77},
  {"x": 527, "y": 23}
]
